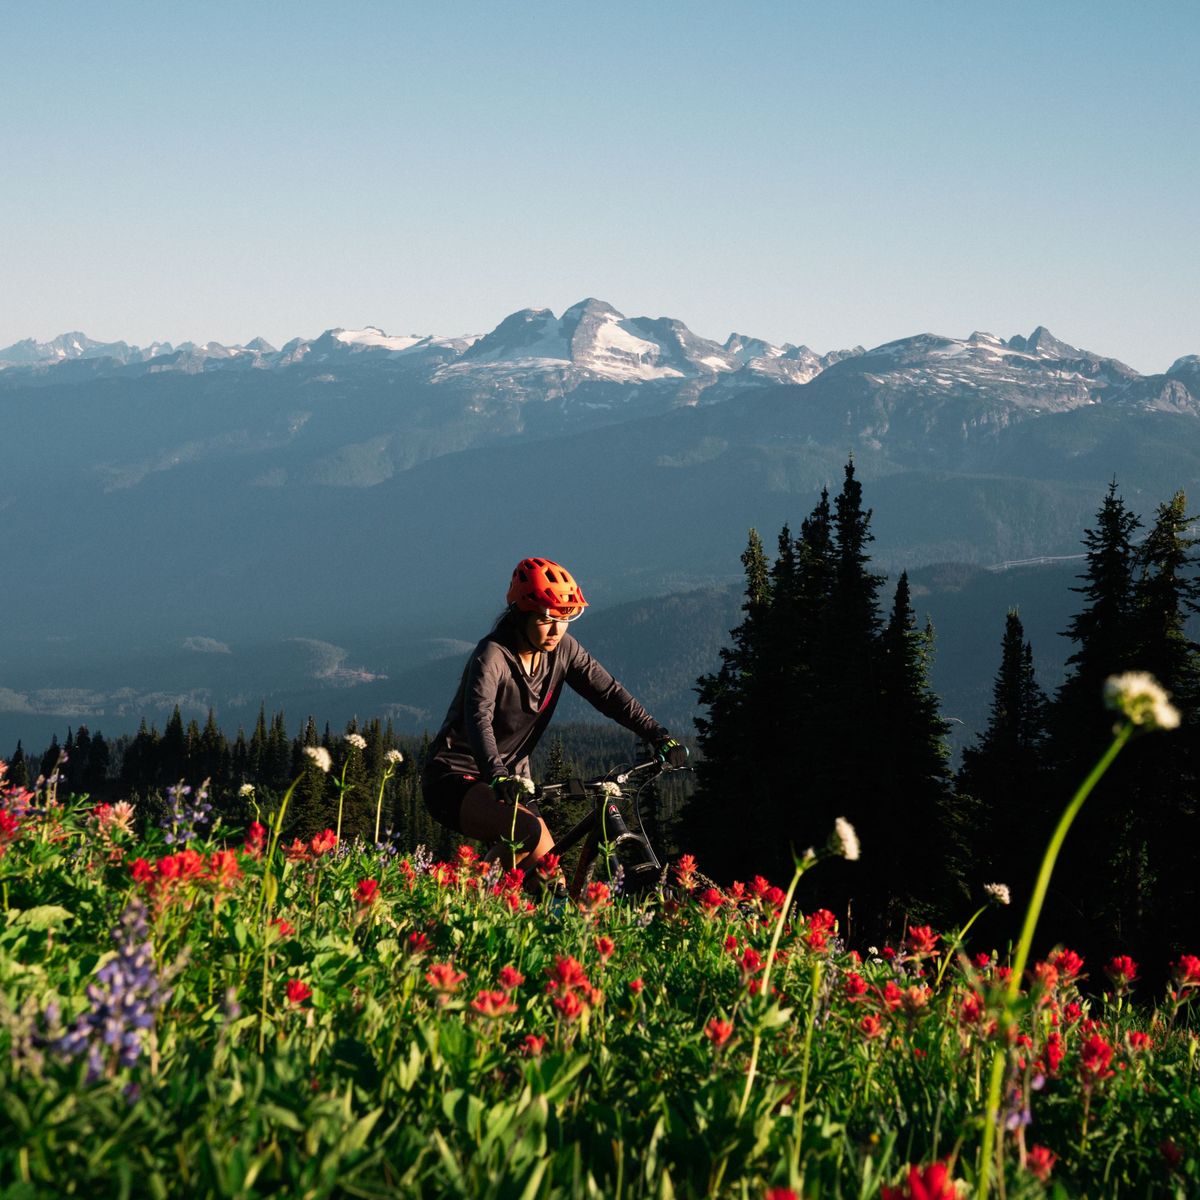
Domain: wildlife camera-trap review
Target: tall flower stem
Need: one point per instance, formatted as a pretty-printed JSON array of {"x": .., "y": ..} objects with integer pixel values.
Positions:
[
  {"x": 959, "y": 938},
  {"x": 813, "y": 1007},
  {"x": 1034, "y": 911},
  {"x": 342, "y": 789},
  {"x": 391, "y": 770},
  {"x": 801, "y": 867},
  {"x": 266, "y": 903}
]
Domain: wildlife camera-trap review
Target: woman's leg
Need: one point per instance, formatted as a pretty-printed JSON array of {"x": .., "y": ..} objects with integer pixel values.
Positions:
[{"x": 487, "y": 819}]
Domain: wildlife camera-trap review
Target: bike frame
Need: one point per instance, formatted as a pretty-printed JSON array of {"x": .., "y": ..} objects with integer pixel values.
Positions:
[{"x": 591, "y": 826}]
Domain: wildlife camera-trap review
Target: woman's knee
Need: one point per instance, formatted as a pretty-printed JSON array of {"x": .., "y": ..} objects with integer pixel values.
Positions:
[{"x": 528, "y": 830}]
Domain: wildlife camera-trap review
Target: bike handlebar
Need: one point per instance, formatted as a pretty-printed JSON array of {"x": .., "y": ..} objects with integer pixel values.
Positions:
[{"x": 660, "y": 768}]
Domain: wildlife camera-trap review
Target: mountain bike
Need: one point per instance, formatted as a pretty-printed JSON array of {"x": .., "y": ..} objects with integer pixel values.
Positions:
[{"x": 612, "y": 852}]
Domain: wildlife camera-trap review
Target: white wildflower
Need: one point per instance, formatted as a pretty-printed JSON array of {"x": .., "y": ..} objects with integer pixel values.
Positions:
[
  {"x": 357, "y": 741},
  {"x": 610, "y": 789},
  {"x": 246, "y": 790},
  {"x": 998, "y": 892},
  {"x": 320, "y": 756},
  {"x": 847, "y": 840},
  {"x": 1141, "y": 699},
  {"x": 394, "y": 757},
  {"x": 527, "y": 783}
]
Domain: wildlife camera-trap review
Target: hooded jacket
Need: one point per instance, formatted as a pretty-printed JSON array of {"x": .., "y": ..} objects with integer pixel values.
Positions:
[{"x": 499, "y": 713}]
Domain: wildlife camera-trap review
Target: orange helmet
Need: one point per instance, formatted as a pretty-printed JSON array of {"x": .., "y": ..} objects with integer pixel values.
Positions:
[{"x": 541, "y": 585}]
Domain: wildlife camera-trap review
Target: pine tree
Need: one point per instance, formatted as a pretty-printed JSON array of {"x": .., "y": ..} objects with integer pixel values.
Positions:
[
  {"x": 1004, "y": 775},
  {"x": 730, "y": 735},
  {"x": 902, "y": 824},
  {"x": 18, "y": 768},
  {"x": 50, "y": 757},
  {"x": 172, "y": 751},
  {"x": 1103, "y": 633},
  {"x": 99, "y": 760},
  {"x": 256, "y": 763},
  {"x": 1123, "y": 882},
  {"x": 1154, "y": 901}
]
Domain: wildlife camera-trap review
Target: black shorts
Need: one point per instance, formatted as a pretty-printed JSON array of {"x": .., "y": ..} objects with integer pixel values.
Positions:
[{"x": 444, "y": 791}]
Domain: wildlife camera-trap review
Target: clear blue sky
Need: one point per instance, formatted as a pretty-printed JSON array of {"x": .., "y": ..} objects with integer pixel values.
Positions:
[{"x": 833, "y": 173}]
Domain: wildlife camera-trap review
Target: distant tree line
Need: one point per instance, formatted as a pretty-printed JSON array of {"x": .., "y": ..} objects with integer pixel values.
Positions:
[
  {"x": 143, "y": 766},
  {"x": 822, "y": 707}
]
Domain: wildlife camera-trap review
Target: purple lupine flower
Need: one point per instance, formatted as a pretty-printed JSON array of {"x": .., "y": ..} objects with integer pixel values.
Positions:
[
  {"x": 184, "y": 813},
  {"x": 124, "y": 999}
]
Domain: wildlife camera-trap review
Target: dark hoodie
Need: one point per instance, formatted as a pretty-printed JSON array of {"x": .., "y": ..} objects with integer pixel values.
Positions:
[{"x": 499, "y": 714}]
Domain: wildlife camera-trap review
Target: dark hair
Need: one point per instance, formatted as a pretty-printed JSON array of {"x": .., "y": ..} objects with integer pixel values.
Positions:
[{"x": 508, "y": 621}]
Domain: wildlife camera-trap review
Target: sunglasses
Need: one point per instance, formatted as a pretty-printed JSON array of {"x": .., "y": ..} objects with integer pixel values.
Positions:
[{"x": 560, "y": 616}]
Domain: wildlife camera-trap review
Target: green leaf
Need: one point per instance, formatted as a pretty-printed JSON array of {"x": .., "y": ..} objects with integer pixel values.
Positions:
[
  {"x": 354, "y": 1140},
  {"x": 44, "y": 916}
]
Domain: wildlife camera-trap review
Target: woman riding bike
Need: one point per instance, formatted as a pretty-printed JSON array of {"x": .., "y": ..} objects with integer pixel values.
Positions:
[{"x": 479, "y": 760}]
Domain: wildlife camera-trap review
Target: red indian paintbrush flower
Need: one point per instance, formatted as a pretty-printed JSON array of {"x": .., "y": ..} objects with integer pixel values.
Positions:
[
  {"x": 718, "y": 1032},
  {"x": 442, "y": 977},
  {"x": 871, "y": 1026},
  {"x": 1039, "y": 1162},
  {"x": 510, "y": 978},
  {"x": 780, "y": 1193},
  {"x": 855, "y": 986},
  {"x": 710, "y": 900},
  {"x": 605, "y": 947},
  {"x": 685, "y": 872},
  {"x": 921, "y": 940},
  {"x": 324, "y": 842},
  {"x": 924, "y": 1183},
  {"x": 1186, "y": 972},
  {"x": 566, "y": 975},
  {"x": 1138, "y": 1040},
  {"x": 1067, "y": 963},
  {"x": 569, "y": 1005},
  {"x": 256, "y": 839},
  {"x": 1122, "y": 970},
  {"x": 298, "y": 991},
  {"x": 636, "y": 985},
  {"x": 1055, "y": 1050},
  {"x": 1094, "y": 1057},
  {"x": 223, "y": 868},
  {"x": 533, "y": 1045},
  {"x": 367, "y": 892},
  {"x": 493, "y": 1004}
]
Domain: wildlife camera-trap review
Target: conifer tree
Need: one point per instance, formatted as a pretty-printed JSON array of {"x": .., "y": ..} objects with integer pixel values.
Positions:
[
  {"x": 18, "y": 768},
  {"x": 257, "y": 750},
  {"x": 99, "y": 760},
  {"x": 730, "y": 735},
  {"x": 911, "y": 879},
  {"x": 1104, "y": 636},
  {"x": 1003, "y": 778},
  {"x": 1120, "y": 885},
  {"x": 172, "y": 751},
  {"x": 50, "y": 757},
  {"x": 1153, "y": 905}
]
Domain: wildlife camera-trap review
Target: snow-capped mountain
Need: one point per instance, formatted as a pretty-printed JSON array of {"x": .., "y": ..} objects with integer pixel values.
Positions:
[
  {"x": 592, "y": 365},
  {"x": 591, "y": 342}
]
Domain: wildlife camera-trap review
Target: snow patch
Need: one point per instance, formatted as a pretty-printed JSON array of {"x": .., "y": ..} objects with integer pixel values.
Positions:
[{"x": 376, "y": 338}]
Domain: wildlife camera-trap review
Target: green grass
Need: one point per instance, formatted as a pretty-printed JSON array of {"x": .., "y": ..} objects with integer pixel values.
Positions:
[{"x": 377, "y": 1084}]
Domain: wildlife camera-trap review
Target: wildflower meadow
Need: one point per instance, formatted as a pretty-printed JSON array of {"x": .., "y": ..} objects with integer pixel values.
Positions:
[{"x": 198, "y": 1010}]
